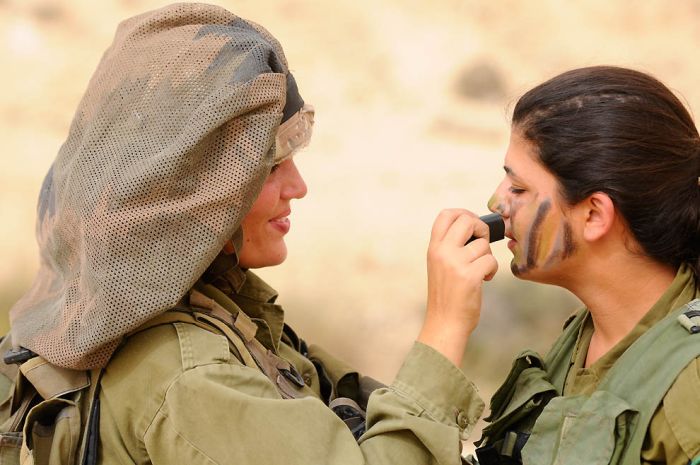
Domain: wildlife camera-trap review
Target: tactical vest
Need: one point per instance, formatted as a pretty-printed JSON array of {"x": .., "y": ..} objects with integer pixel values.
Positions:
[
  {"x": 532, "y": 423},
  {"x": 50, "y": 415},
  {"x": 45, "y": 412}
]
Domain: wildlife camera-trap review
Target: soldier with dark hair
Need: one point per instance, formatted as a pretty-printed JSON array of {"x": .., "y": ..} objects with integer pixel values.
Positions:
[{"x": 601, "y": 196}]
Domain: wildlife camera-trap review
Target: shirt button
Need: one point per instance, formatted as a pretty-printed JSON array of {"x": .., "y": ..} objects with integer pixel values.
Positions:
[
  {"x": 462, "y": 419},
  {"x": 307, "y": 378}
]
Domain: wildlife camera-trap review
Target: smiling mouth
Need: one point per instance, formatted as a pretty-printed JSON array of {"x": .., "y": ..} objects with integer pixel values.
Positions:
[{"x": 281, "y": 223}]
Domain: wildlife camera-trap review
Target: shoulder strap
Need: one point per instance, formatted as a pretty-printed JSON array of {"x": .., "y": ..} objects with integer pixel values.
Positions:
[
  {"x": 191, "y": 316},
  {"x": 241, "y": 328},
  {"x": 90, "y": 440},
  {"x": 240, "y": 331},
  {"x": 39, "y": 381},
  {"x": 53, "y": 381},
  {"x": 646, "y": 371}
]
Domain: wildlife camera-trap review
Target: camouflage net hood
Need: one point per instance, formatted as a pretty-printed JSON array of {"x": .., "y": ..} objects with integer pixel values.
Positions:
[{"x": 185, "y": 116}]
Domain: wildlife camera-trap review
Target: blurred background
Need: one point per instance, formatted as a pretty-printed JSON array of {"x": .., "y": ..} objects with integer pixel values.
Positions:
[{"x": 412, "y": 105}]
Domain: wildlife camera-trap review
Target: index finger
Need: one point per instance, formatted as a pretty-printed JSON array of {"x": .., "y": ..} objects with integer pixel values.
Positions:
[
  {"x": 444, "y": 220},
  {"x": 481, "y": 230}
]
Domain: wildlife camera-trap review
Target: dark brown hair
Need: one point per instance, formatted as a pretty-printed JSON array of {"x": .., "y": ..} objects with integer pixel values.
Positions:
[{"x": 622, "y": 132}]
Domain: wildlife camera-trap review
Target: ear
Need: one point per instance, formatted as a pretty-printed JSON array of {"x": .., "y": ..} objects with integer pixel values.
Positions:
[{"x": 599, "y": 216}]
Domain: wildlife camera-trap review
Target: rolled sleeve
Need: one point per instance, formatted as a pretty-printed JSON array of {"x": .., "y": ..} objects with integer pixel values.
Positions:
[
  {"x": 440, "y": 388},
  {"x": 201, "y": 407}
]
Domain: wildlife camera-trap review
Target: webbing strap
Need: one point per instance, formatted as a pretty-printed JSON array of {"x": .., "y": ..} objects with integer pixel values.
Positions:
[
  {"x": 91, "y": 434},
  {"x": 204, "y": 321},
  {"x": 239, "y": 330},
  {"x": 244, "y": 325},
  {"x": 233, "y": 338},
  {"x": 53, "y": 381}
]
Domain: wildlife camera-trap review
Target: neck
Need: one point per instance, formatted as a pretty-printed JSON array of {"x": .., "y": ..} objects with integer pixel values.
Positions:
[{"x": 618, "y": 292}]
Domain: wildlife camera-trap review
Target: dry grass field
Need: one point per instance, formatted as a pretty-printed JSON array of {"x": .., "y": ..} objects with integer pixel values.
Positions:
[{"x": 412, "y": 100}]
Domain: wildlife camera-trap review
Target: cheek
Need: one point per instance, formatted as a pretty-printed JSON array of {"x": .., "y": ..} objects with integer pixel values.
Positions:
[
  {"x": 528, "y": 220},
  {"x": 538, "y": 213},
  {"x": 264, "y": 206},
  {"x": 549, "y": 238},
  {"x": 517, "y": 207},
  {"x": 254, "y": 227},
  {"x": 568, "y": 247},
  {"x": 250, "y": 238},
  {"x": 546, "y": 240}
]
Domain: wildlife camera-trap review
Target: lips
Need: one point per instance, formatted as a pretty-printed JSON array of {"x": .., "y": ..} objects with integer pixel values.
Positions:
[
  {"x": 509, "y": 234},
  {"x": 281, "y": 222},
  {"x": 512, "y": 241}
]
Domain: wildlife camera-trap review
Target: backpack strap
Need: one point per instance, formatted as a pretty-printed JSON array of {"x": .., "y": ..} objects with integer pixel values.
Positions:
[
  {"x": 239, "y": 330},
  {"x": 90, "y": 439},
  {"x": 190, "y": 315},
  {"x": 37, "y": 381},
  {"x": 53, "y": 381},
  {"x": 238, "y": 327}
]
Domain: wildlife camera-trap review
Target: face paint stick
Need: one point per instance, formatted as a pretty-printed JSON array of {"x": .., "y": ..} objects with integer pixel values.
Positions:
[{"x": 497, "y": 227}]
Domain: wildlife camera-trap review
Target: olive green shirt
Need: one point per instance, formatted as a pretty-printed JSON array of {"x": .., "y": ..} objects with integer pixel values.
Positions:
[
  {"x": 674, "y": 433},
  {"x": 175, "y": 394}
]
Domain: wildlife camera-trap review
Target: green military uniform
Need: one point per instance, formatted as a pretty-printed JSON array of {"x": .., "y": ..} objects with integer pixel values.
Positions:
[
  {"x": 673, "y": 433},
  {"x": 176, "y": 394},
  {"x": 184, "y": 119}
]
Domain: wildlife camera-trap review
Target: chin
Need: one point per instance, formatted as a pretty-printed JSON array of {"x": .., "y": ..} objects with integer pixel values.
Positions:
[
  {"x": 271, "y": 256},
  {"x": 271, "y": 260},
  {"x": 533, "y": 274}
]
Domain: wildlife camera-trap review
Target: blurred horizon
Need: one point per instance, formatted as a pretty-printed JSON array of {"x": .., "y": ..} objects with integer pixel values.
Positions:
[{"x": 412, "y": 100}]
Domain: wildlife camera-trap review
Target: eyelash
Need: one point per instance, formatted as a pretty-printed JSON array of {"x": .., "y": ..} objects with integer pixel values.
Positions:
[{"x": 516, "y": 190}]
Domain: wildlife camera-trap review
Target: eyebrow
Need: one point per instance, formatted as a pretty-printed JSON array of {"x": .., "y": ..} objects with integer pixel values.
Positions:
[{"x": 509, "y": 171}]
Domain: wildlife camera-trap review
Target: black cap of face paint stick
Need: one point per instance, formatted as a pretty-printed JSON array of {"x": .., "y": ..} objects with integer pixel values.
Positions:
[{"x": 497, "y": 228}]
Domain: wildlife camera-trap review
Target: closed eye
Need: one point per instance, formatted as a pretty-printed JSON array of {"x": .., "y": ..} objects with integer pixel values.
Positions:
[{"x": 515, "y": 190}]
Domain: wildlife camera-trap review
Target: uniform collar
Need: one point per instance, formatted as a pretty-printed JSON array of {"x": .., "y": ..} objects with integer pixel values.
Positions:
[
  {"x": 252, "y": 296},
  {"x": 682, "y": 290}
]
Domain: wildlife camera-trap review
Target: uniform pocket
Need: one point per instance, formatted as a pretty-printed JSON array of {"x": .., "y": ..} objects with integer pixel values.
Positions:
[
  {"x": 10, "y": 446},
  {"x": 580, "y": 430},
  {"x": 526, "y": 391},
  {"x": 52, "y": 430}
]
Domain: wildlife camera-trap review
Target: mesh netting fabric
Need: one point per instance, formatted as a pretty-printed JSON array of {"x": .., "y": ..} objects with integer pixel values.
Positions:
[{"x": 167, "y": 151}]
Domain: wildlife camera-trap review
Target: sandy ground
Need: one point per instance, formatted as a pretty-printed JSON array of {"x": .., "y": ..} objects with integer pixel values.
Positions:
[{"x": 412, "y": 101}]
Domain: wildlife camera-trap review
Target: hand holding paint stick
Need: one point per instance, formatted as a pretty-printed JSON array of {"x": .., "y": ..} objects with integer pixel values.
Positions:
[
  {"x": 456, "y": 273},
  {"x": 497, "y": 227}
]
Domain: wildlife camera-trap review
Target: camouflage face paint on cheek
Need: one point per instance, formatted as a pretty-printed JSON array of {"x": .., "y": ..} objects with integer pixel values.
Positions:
[
  {"x": 563, "y": 245},
  {"x": 519, "y": 251},
  {"x": 534, "y": 238},
  {"x": 548, "y": 241},
  {"x": 531, "y": 250},
  {"x": 568, "y": 246}
]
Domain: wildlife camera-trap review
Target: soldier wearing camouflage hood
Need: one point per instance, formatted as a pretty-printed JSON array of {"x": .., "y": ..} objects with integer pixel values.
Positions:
[{"x": 145, "y": 337}]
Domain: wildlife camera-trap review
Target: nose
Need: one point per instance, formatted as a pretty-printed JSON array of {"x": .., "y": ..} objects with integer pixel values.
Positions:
[
  {"x": 293, "y": 186},
  {"x": 498, "y": 202}
]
